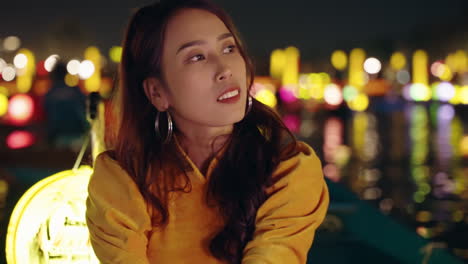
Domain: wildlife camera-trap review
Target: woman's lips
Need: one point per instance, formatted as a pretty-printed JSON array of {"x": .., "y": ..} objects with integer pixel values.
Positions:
[{"x": 230, "y": 96}]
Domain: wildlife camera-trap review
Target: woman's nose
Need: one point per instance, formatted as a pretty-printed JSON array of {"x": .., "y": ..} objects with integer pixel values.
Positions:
[{"x": 224, "y": 73}]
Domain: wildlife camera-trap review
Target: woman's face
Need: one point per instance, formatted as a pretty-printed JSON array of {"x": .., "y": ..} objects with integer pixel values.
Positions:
[{"x": 204, "y": 72}]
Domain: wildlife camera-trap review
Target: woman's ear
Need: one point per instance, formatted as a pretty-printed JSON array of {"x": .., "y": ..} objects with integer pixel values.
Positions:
[{"x": 155, "y": 93}]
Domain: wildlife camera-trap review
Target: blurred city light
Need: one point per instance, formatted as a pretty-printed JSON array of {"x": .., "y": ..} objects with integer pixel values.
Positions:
[
  {"x": 3, "y": 64},
  {"x": 11, "y": 43},
  {"x": 445, "y": 91},
  {"x": 339, "y": 60},
  {"x": 333, "y": 94},
  {"x": 292, "y": 122},
  {"x": 290, "y": 75},
  {"x": 287, "y": 95},
  {"x": 92, "y": 64},
  {"x": 277, "y": 63},
  {"x": 86, "y": 69},
  {"x": 20, "y": 61},
  {"x": 359, "y": 103},
  {"x": 8, "y": 73},
  {"x": 21, "y": 108},
  {"x": 349, "y": 93},
  {"x": 464, "y": 146},
  {"x": 420, "y": 92},
  {"x": 3, "y": 104},
  {"x": 420, "y": 62},
  {"x": 73, "y": 67},
  {"x": 397, "y": 61},
  {"x": 403, "y": 77},
  {"x": 464, "y": 94},
  {"x": 71, "y": 80},
  {"x": 266, "y": 97},
  {"x": 115, "y": 54},
  {"x": 19, "y": 139},
  {"x": 445, "y": 112},
  {"x": 372, "y": 65},
  {"x": 51, "y": 61},
  {"x": 24, "y": 80},
  {"x": 356, "y": 70}
]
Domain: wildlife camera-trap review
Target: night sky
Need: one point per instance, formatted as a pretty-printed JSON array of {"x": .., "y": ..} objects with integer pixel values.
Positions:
[{"x": 316, "y": 28}]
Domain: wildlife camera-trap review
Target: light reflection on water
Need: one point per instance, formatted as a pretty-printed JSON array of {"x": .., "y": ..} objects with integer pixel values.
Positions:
[{"x": 409, "y": 163}]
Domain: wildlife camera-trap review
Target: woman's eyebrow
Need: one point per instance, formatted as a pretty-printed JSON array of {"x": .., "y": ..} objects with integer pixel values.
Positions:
[{"x": 200, "y": 42}]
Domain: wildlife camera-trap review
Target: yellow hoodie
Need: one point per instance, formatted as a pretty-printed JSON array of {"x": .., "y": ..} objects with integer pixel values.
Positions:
[{"x": 120, "y": 224}]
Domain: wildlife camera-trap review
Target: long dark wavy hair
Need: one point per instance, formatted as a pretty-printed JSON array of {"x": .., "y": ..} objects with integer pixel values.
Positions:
[{"x": 254, "y": 149}]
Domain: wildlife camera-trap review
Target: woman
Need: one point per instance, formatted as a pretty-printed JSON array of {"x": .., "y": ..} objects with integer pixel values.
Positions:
[{"x": 199, "y": 171}]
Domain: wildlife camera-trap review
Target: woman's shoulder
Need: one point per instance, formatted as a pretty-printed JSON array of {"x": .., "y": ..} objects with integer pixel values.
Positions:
[
  {"x": 108, "y": 174},
  {"x": 299, "y": 163}
]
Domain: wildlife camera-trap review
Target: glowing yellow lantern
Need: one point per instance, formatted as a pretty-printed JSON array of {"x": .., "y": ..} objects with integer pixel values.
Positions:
[{"x": 49, "y": 221}]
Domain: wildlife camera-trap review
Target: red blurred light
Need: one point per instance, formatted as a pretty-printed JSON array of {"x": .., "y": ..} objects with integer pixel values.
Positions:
[
  {"x": 41, "y": 70},
  {"x": 19, "y": 139},
  {"x": 21, "y": 108}
]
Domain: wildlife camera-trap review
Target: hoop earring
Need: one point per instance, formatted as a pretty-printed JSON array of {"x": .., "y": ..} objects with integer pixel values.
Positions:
[
  {"x": 249, "y": 104},
  {"x": 169, "y": 127}
]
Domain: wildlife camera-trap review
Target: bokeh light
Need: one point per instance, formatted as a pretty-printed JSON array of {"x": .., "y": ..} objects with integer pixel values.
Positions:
[
  {"x": 266, "y": 97},
  {"x": 445, "y": 112},
  {"x": 349, "y": 93},
  {"x": 333, "y": 94},
  {"x": 71, "y": 80},
  {"x": 332, "y": 172},
  {"x": 287, "y": 95},
  {"x": 11, "y": 43},
  {"x": 3, "y": 104},
  {"x": 464, "y": 94},
  {"x": 356, "y": 70},
  {"x": 397, "y": 61},
  {"x": 359, "y": 103},
  {"x": 420, "y": 92},
  {"x": 292, "y": 122},
  {"x": 3, "y": 64},
  {"x": 445, "y": 91},
  {"x": 339, "y": 60},
  {"x": 464, "y": 146},
  {"x": 20, "y": 61},
  {"x": 73, "y": 67},
  {"x": 19, "y": 139},
  {"x": 277, "y": 62},
  {"x": 115, "y": 54},
  {"x": 372, "y": 65},
  {"x": 51, "y": 61},
  {"x": 424, "y": 216},
  {"x": 86, "y": 69},
  {"x": 420, "y": 61},
  {"x": 8, "y": 73},
  {"x": 21, "y": 108},
  {"x": 403, "y": 77}
]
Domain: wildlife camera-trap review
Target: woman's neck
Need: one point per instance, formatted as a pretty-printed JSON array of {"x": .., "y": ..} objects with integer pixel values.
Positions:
[{"x": 201, "y": 144}]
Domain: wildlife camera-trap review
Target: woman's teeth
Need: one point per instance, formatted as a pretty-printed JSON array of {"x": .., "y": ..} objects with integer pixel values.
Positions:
[{"x": 228, "y": 95}]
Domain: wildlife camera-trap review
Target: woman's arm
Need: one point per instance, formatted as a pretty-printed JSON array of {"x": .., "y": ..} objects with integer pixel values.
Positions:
[
  {"x": 116, "y": 215},
  {"x": 287, "y": 220}
]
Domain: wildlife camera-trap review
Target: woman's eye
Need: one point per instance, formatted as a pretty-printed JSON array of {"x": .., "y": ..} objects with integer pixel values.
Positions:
[
  {"x": 196, "y": 58},
  {"x": 229, "y": 49}
]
